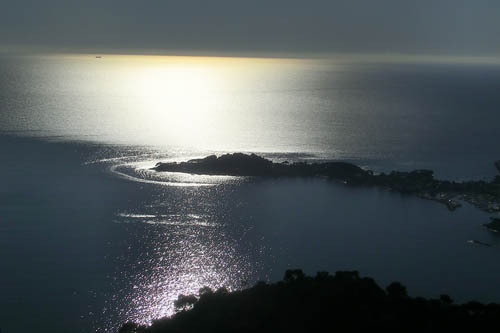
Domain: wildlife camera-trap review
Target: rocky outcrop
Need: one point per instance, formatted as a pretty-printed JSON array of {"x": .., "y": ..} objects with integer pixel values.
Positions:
[{"x": 239, "y": 164}]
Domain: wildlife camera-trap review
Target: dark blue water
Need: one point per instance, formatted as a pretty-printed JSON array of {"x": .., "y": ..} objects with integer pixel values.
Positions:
[
  {"x": 89, "y": 238},
  {"x": 84, "y": 249}
]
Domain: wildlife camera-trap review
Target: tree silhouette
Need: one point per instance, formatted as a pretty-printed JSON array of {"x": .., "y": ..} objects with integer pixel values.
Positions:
[
  {"x": 396, "y": 291},
  {"x": 292, "y": 275},
  {"x": 184, "y": 302}
]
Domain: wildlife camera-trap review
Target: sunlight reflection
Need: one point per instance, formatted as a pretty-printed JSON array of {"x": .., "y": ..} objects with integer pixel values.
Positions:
[
  {"x": 134, "y": 172},
  {"x": 180, "y": 97},
  {"x": 202, "y": 103},
  {"x": 184, "y": 253},
  {"x": 193, "y": 102}
]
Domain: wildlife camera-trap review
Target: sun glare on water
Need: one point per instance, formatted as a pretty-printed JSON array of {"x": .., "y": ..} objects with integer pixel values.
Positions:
[
  {"x": 188, "y": 101},
  {"x": 194, "y": 103},
  {"x": 180, "y": 97}
]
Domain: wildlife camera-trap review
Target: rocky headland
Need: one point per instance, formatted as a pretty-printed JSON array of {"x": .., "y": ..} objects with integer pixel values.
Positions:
[{"x": 482, "y": 194}]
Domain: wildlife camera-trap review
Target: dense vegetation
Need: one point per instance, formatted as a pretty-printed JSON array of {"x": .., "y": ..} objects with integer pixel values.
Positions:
[{"x": 344, "y": 302}]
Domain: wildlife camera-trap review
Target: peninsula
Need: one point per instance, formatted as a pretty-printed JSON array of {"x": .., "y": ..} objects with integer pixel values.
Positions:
[{"x": 484, "y": 195}]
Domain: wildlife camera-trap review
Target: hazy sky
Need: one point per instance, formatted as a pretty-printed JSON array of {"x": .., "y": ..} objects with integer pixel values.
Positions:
[{"x": 459, "y": 27}]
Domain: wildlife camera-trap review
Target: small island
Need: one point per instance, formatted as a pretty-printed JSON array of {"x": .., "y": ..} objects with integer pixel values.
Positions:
[{"x": 484, "y": 195}]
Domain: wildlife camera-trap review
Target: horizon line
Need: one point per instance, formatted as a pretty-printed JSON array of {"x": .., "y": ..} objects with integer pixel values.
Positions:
[{"x": 324, "y": 56}]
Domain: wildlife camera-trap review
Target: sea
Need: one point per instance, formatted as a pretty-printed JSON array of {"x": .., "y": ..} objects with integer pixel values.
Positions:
[{"x": 91, "y": 237}]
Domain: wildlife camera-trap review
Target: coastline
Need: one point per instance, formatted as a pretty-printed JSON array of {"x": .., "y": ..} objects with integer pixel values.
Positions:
[{"x": 421, "y": 183}]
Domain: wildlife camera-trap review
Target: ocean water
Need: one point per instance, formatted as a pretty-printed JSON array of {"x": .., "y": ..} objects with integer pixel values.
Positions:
[{"x": 90, "y": 237}]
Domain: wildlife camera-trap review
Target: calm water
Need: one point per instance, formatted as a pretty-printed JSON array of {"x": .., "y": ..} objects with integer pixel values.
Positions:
[{"x": 89, "y": 237}]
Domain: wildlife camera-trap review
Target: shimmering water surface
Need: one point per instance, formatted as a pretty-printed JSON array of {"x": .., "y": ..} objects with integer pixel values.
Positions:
[{"x": 90, "y": 237}]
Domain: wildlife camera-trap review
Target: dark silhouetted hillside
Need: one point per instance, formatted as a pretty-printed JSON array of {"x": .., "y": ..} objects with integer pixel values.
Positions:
[{"x": 344, "y": 302}]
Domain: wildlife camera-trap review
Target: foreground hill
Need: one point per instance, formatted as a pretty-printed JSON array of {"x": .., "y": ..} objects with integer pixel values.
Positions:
[{"x": 344, "y": 302}]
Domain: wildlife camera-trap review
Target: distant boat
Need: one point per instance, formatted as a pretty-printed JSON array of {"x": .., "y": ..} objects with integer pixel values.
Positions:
[{"x": 98, "y": 57}]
